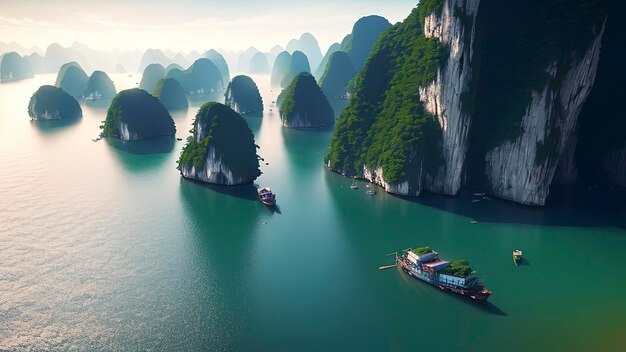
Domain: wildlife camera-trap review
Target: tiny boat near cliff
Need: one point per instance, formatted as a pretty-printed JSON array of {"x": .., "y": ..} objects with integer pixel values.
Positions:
[
  {"x": 267, "y": 197},
  {"x": 456, "y": 277}
]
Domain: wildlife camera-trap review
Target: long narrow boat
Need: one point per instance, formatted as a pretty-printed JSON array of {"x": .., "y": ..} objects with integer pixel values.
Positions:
[{"x": 456, "y": 277}]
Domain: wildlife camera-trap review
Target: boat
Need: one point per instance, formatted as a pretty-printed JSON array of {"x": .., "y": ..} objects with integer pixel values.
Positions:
[
  {"x": 354, "y": 185},
  {"x": 456, "y": 277},
  {"x": 370, "y": 192},
  {"x": 517, "y": 256},
  {"x": 267, "y": 197}
]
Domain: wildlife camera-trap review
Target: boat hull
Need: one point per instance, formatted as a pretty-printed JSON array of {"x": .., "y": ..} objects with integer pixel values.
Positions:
[{"x": 480, "y": 295}]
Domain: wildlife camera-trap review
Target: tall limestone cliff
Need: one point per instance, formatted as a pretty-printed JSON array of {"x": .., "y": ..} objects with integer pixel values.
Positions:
[
  {"x": 454, "y": 26},
  {"x": 405, "y": 127},
  {"x": 478, "y": 93},
  {"x": 531, "y": 92}
]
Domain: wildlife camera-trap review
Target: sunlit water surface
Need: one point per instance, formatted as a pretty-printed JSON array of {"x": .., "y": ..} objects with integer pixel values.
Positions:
[{"x": 105, "y": 246}]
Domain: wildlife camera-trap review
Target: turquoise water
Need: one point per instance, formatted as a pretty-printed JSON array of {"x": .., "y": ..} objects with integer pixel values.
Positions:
[{"x": 105, "y": 247}]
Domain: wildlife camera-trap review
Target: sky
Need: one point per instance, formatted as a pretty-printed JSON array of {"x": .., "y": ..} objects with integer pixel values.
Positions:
[{"x": 185, "y": 25}]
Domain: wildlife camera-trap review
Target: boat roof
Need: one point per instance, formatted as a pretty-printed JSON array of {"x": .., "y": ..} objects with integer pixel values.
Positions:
[{"x": 436, "y": 264}]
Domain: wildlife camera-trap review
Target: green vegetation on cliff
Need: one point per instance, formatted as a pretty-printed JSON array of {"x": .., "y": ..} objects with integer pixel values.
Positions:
[
  {"x": 134, "y": 114},
  {"x": 298, "y": 63},
  {"x": 171, "y": 94},
  {"x": 151, "y": 76},
  {"x": 242, "y": 95},
  {"x": 222, "y": 128},
  {"x": 202, "y": 77},
  {"x": 304, "y": 105},
  {"x": 385, "y": 124},
  {"x": 339, "y": 72},
  {"x": 50, "y": 102}
]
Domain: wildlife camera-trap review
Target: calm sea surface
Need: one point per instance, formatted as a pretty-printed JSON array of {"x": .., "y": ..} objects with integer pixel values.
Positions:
[{"x": 105, "y": 247}]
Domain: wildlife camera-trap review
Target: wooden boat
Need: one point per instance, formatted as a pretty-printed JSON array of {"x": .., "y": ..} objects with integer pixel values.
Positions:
[
  {"x": 267, "y": 197},
  {"x": 517, "y": 256}
]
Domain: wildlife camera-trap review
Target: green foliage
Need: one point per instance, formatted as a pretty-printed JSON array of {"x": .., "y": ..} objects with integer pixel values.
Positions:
[
  {"x": 421, "y": 250},
  {"x": 201, "y": 77},
  {"x": 364, "y": 34},
  {"x": 458, "y": 268},
  {"x": 220, "y": 127},
  {"x": 243, "y": 94},
  {"x": 142, "y": 113},
  {"x": 151, "y": 76},
  {"x": 171, "y": 94},
  {"x": 304, "y": 98},
  {"x": 53, "y": 100},
  {"x": 426, "y": 7},
  {"x": 298, "y": 63},
  {"x": 385, "y": 124}
]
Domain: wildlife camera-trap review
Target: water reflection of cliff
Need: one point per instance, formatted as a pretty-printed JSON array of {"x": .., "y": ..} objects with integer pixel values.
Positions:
[{"x": 221, "y": 232}]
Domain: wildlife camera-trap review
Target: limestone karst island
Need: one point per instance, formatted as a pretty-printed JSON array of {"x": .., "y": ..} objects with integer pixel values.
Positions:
[{"x": 356, "y": 175}]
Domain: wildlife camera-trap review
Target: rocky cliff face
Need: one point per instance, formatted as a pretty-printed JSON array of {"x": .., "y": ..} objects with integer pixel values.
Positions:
[
  {"x": 522, "y": 170},
  {"x": 454, "y": 27},
  {"x": 213, "y": 171}
]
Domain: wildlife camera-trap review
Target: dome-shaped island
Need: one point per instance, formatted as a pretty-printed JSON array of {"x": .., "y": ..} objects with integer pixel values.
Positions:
[
  {"x": 14, "y": 67},
  {"x": 72, "y": 79},
  {"x": 171, "y": 94},
  {"x": 99, "y": 86},
  {"x": 280, "y": 67},
  {"x": 221, "y": 149},
  {"x": 304, "y": 105},
  {"x": 243, "y": 96},
  {"x": 134, "y": 115},
  {"x": 53, "y": 103},
  {"x": 338, "y": 73},
  {"x": 151, "y": 76},
  {"x": 298, "y": 63}
]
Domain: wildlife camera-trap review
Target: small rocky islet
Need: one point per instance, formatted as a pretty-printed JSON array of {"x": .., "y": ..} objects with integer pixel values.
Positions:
[
  {"x": 303, "y": 105},
  {"x": 134, "y": 115},
  {"x": 221, "y": 149},
  {"x": 53, "y": 103},
  {"x": 242, "y": 95}
]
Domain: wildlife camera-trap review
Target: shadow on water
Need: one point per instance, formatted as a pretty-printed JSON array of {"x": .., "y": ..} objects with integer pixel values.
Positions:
[
  {"x": 222, "y": 236},
  {"x": 306, "y": 147},
  {"x": 523, "y": 262},
  {"x": 486, "y": 307},
  {"x": 54, "y": 126},
  {"x": 158, "y": 145},
  {"x": 143, "y": 155},
  {"x": 247, "y": 191},
  {"x": 566, "y": 206}
]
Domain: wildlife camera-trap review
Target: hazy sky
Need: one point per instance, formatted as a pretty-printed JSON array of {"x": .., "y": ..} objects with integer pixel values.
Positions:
[{"x": 186, "y": 24}]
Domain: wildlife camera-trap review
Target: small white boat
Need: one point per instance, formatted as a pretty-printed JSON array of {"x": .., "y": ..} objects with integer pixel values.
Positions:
[{"x": 354, "y": 185}]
